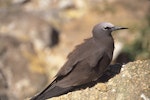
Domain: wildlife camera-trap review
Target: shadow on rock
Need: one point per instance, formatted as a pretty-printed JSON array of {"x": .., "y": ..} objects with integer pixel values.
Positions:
[{"x": 110, "y": 73}]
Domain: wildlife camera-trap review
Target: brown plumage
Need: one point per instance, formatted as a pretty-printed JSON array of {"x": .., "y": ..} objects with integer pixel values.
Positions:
[{"x": 85, "y": 64}]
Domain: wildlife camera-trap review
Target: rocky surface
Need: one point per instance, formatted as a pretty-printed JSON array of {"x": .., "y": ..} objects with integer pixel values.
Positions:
[
  {"x": 17, "y": 69},
  {"x": 132, "y": 83},
  {"x": 30, "y": 28},
  {"x": 27, "y": 26}
]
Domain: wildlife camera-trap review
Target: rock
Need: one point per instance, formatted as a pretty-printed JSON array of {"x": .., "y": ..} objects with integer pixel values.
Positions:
[
  {"x": 29, "y": 27},
  {"x": 132, "y": 83},
  {"x": 20, "y": 1},
  {"x": 17, "y": 73}
]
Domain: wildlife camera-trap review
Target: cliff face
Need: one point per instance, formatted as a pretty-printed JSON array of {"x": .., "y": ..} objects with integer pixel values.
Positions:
[{"x": 132, "y": 83}]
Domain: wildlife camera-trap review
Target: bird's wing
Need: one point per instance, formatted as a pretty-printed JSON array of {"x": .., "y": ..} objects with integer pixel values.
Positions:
[
  {"x": 95, "y": 58},
  {"x": 78, "y": 48},
  {"x": 81, "y": 52}
]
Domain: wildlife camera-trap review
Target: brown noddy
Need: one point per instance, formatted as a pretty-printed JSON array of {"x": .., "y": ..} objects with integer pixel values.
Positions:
[{"x": 85, "y": 64}]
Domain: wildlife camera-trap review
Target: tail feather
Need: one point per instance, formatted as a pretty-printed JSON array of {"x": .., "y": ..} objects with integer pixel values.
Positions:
[{"x": 51, "y": 92}]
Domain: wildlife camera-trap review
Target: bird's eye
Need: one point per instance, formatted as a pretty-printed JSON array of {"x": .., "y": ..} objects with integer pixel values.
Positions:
[{"x": 107, "y": 28}]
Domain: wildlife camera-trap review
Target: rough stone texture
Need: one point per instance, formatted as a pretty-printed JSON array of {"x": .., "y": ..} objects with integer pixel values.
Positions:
[
  {"x": 27, "y": 26},
  {"x": 132, "y": 83},
  {"x": 17, "y": 72}
]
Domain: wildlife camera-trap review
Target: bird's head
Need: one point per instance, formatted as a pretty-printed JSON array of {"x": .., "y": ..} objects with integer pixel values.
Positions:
[{"x": 105, "y": 28}]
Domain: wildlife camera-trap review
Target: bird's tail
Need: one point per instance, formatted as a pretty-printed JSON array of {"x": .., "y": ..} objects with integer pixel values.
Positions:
[{"x": 51, "y": 91}]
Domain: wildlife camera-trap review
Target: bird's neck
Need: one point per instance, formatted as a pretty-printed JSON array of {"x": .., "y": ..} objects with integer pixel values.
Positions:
[
  {"x": 98, "y": 34},
  {"x": 105, "y": 42},
  {"x": 104, "y": 39}
]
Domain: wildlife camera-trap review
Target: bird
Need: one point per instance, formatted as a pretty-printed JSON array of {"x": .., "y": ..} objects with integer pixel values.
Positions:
[{"x": 86, "y": 63}]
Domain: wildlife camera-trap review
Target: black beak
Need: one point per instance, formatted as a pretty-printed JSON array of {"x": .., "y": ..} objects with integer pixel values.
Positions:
[{"x": 118, "y": 28}]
